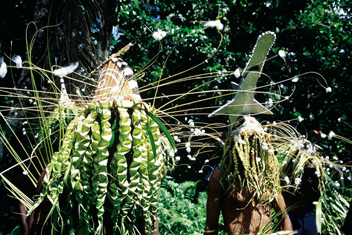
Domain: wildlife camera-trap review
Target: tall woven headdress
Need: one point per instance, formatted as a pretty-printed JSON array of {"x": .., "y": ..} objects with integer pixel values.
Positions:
[
  {"x": 248, "y": 154},
  {"x": 105, "y": 176}
]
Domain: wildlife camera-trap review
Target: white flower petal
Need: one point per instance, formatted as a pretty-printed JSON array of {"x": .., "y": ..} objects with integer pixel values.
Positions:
[
  {"x": 282, "y": 53},
  {"x": 18, "y": 61},
  {"x": 265, "y": 146},
  {"x": 210, "y": 24},
  {"x": 297, "y": 181},
  {"x": 214, "y": 24},
  {"x": 158, "y": 35},
  {"x": 237, "y": 73},
  {"x": 64, "y": 71},
  {"x": 269, "y": 103},
  {"x": 219, "y": 25},
  {"x": 295, "y": 79},
  {"x": 331, "y": 134},
  {"x": 328, "y": 90},
  {"x": 3, "y": 68}
]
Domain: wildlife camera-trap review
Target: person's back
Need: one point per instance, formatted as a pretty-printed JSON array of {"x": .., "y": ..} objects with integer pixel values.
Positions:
[
  {"x": 242, "y": 212},
  {"x": 247, "y": 184}
]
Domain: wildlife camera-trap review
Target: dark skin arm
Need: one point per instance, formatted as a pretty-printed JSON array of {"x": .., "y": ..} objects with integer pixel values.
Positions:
[
  {"x": 213, "y": 204},
  {"x": 24, "y": 225},
  {"x": 280, "y": 206}
]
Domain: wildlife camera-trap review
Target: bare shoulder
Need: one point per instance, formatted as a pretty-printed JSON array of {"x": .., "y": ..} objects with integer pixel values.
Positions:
[
  {"x": 216, "y": 175},
  {"x": 214, "y": 182}
]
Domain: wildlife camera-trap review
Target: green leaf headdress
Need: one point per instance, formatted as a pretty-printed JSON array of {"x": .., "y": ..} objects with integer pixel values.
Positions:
[
  {"x": 250, "y": 159},
  {"x": 105, "y": 176}
]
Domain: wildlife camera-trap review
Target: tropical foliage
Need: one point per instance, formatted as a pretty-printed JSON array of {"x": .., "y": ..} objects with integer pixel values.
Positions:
[{"x": 181, "y": 208}]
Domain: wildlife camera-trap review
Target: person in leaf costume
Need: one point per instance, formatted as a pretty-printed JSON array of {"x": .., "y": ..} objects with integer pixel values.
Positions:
[
  {"x": 247, "y": 185},
  {"x": 105, "y": 176}
]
